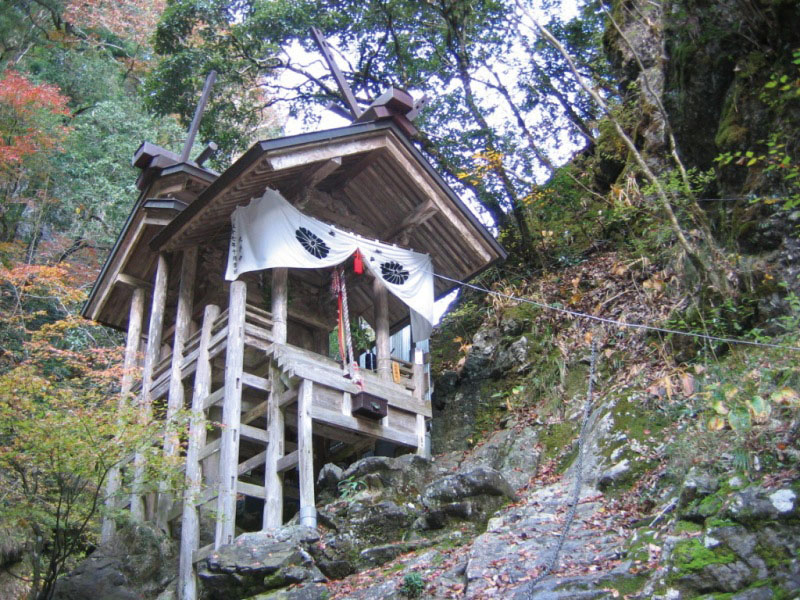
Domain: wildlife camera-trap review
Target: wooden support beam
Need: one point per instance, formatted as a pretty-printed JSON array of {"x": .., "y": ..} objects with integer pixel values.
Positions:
[
  {"x": 154, "y": 331},
  {"x": 133, "y": 282},
  {"x": 289, "y": 461},
  {"x": 176, "y": 396},
  {"x": 190, "y": 520},
  {"x": 254, "y": 381},
  {"x": 305, "y": 449},
  {"x": 252, "y": 462},
  {"x": 382, "y": 342},
  {"x": 363, "y": 426},
  {"x": 417, "y": 217},
  {"x": 280, "y": 280},
  {"x": 273, "y": 477},
  {"x": 418, "y": 375},
  {"x": 132, "y": 343},
  {"x": 231, "y": 415},
  {"x": 321, "y": 172}
]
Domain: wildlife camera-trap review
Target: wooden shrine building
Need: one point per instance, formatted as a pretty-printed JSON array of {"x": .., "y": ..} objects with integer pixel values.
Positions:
[{"x": 249, "y": 358}]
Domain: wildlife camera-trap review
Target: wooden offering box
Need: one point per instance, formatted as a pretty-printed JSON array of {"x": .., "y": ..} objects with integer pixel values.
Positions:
[{"x": 369, "y": 406}]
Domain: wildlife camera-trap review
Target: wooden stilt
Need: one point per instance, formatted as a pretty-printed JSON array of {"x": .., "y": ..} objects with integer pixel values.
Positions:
[
  {"x": 132, "y": 344},
  {"x": 231, "y": 416},
  {"x": 382, "y": 342},
  {"x": 273, "y": 477},
  {"x": 305, "y": 450},
  {"x": 418, "y": 375},
  {"x": 280, "y": 299},
  {"x": 190, "y": 520},
  {"x": 154, "y": 331},
  {"x": 175, "y": 402}
]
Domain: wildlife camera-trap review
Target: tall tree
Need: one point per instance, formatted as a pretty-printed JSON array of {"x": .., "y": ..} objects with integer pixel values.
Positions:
[{"x": 496, "y": 105}]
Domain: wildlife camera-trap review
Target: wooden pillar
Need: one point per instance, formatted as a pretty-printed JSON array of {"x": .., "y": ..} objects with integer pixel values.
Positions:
[
  {"x": 419, "y": 379},
  {"x": 382, "y": 343},
  {"x": 280, "y": 300},
  {"x": 151, "y": 356},
  {"x": 273, "y": 479},
  {"x": 305, "y": 454},
  {"x": 175, "y": 402},
  {"x": 231, "y": 416},
  {"x": 190, "y": 519},
  {"x": 129, "y": 364}
]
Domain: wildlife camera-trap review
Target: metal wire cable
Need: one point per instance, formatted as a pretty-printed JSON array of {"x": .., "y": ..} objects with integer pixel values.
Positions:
[
  {"x": 575, "y": 313},
  {"x": 576, "y": 492}
]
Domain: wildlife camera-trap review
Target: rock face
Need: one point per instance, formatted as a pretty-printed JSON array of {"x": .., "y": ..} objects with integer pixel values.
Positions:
[
  {"x": 405, "y": 503},
  {"x": 496, "y": 351},
  {"x": 753, "y": 547},
  {"x": 260, "y": 561},
  {"x": 141, "y": 563}
]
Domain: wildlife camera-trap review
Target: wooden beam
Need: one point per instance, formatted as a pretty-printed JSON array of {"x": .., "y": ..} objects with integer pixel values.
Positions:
[
  {"x": 289, "y": 461},
  {"x": 154, "y": 331},
  {"x": 231, "y": 415},
  {"x": 133, "y": 282},
  {"x": 296, "y": 158},
  {"x": 132, "y": 343},
  {"x": 364, "y": 426},
  {"x": 176, "y": 396},
  {"x": 253, "y": 433},
  {"x": 198, "y": 114},
  {"x": 344, "y": 87},
  {"x": 305, "y": 449},
  {"x": 190, "y": 520},
  {"x": 254, "y": 381},
  {"x": 252, "y": 462},
  {"x": 280, "y": 280},
  {"x": 249, "y": 489},
  {"x": 307, "y": 365},
  {"x": 273, "y": 477},
  {"x": 417, "y": 217},
  {"x": 419, "y": 394},
  {"x": 429, "y": 189},
  {"x": 321, "y": 172}
]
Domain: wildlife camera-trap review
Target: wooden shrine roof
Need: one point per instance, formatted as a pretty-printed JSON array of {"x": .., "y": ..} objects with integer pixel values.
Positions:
[{"x": 367, "y": 178}]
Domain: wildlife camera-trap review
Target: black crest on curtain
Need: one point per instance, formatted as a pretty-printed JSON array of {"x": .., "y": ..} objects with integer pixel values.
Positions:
[
  {"x": 394, "y": 272},
  {"x": 312, "y": 244}
]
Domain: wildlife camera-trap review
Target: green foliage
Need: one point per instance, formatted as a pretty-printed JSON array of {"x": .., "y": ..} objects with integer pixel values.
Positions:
[
  {"x": 349, "y": 487},
  {"x": 776, "y": 156},
  {"x": 413, "y": 585}
]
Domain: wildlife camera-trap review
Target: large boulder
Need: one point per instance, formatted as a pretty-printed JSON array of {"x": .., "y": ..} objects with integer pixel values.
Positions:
[
  {"x": 260, "y": 561},
  {"x": 470, "y": 496},
  {"x": 139, "y": 563}
]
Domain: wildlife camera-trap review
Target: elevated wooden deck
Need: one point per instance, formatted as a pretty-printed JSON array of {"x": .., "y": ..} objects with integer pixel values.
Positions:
[{"x": 261, "y": 410}]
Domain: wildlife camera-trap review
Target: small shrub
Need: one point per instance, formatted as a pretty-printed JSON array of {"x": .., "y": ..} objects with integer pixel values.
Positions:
[
  {"x": 412, "y": 585},
  {"x": 350, "y": 486}
]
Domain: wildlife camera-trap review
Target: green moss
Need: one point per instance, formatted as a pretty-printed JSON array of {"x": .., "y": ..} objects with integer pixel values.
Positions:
[
  {"x": 687, "y": 527},
  {"x": 690, "y": 556},
  {"x": 730, "y": 133},
  {"x": 557, "y": 438},
  {"x": 710, "y": 505},
  {"x": 627, "y": 584},
  {"x": 639, "y": 549}
]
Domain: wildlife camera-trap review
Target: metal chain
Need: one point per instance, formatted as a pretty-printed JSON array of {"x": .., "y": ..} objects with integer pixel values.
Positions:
[{"x": 576, "y": 493}]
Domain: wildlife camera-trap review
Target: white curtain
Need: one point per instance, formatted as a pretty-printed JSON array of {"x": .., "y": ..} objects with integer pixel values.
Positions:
[{"x": 270, "y": 233}]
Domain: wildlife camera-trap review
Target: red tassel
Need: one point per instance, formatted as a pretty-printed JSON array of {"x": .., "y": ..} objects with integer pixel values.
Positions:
[{"x": 358, "y": 263}]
